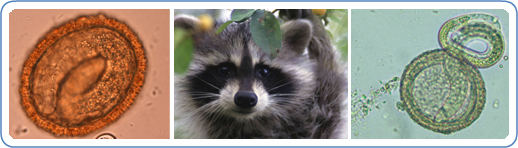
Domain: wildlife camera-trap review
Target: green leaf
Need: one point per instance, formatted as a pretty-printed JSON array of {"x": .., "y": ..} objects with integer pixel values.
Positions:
[
  {"x": 266, "y": 32},
  {"x": 240, "y": 15},
  {"x": 223, "y": 26},
  {"x": 183, "y": 48}
]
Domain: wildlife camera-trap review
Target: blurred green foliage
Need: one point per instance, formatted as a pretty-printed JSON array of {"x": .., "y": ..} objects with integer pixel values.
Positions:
[
  {"x": 183, "y": 49},
  {"x": 337, "y": 28}
]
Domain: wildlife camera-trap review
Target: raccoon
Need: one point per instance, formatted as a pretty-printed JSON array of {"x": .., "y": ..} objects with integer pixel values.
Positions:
[{"x": 233, "y": 89}]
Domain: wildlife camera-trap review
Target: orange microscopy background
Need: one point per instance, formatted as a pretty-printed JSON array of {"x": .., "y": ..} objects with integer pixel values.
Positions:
[{"x": 147, "y": 118}]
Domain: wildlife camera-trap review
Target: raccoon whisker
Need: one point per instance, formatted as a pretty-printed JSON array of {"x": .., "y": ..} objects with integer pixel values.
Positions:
[
  {"x": 214, "y": 76},
  {"x": 282, "y": 95},
  {"x": 278, "y": 82},
  {"x": 272, "y": 111},
  {"x": 227, "y": 101},
  {"x": 200, "y": 110},
  {"x": 208, "y": 83},
  {"x": 275, "y": 110},
  {"x": 284, "y": 102},
  {"x": 216, "y": 115},
  {"x": 199, "y": 120},
  {"x": 206, "y": 94},
  {"x": 195, "y": 114},
  {"x": 203, "y": 93},
  {"x": 229, "y": 131},
  {"x": 213, "y": 112},
  {"x": 278, "y": 114},
  {"x": 203, "y": 112},
  {"x": 280, "y": 86},
  {"x": 203, "y": 97}
]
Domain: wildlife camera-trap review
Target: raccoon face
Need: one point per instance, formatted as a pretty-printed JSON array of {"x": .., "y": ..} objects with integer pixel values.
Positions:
[
  {"x": 240, "y": 88},
  {"x": 231, "y": 77}
]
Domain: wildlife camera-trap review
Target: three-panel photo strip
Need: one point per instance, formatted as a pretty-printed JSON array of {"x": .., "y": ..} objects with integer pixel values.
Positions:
[{"x": 203, "y": 73}]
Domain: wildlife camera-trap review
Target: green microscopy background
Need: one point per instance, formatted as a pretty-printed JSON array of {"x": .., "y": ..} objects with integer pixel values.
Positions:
[{"x": 384, "y": 41}]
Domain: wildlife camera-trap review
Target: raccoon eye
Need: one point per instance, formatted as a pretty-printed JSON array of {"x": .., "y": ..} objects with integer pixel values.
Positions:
[
  {"x": 264, "y": 72},
  {"x": 224, "y": 70}
]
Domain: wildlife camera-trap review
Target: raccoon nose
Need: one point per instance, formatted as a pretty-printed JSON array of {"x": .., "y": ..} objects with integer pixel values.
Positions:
[{"x": 245, "y": 99}]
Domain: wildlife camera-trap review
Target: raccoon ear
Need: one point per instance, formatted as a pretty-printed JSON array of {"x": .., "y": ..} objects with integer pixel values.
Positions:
[
  {"x": 186, "y": 22},
  {"x": 296, "y": 35}
]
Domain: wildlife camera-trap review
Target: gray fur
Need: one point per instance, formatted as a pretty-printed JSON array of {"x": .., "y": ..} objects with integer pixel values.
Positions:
[{"x": 314, "y": 110}]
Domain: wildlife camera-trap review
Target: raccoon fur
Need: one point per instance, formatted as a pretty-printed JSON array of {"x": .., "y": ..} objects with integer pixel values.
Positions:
[{"x": 233, "y": 89}]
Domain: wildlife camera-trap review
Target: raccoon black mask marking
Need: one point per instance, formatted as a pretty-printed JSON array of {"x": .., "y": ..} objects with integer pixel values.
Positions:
[{"x": 233, "y": 90}]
